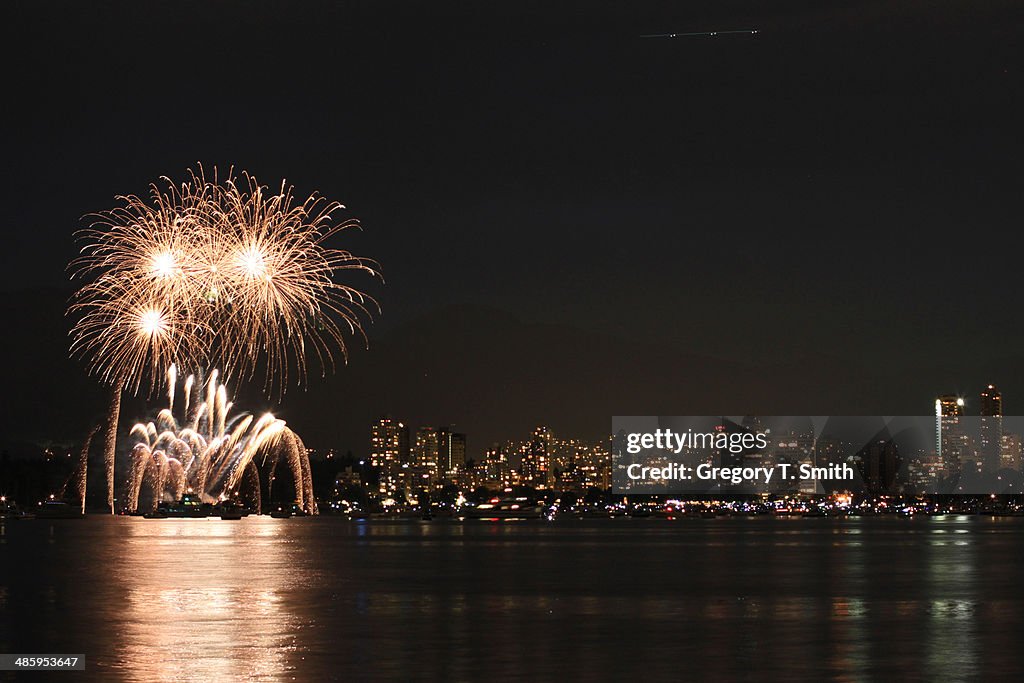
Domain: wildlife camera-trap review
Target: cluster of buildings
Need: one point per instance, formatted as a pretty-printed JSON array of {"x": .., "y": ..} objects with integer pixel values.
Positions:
[
  {"x": 968, "y": 447},
  {"x": 431, "y": 458},
  {"x": 966, "y": 453},
  {"x": 980, "y": 442},
  {"x": 965, "y": 448}
]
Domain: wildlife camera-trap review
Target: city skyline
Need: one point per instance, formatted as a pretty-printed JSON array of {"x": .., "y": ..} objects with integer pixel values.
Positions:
[
  {"x": 958, "y": 402},
  {"x": 964, "y": 449}
]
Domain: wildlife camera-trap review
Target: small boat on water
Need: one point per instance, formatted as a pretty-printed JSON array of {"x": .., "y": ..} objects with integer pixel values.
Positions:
[
  {"x": 58, "y": 509},
  {"x": 10, "y": 510},
  {"x": 189, "y": 506},
  {"x": 506, "y": 508},
  {"x": 285, "y": 511},
  {"x": 232, "y": 510}
]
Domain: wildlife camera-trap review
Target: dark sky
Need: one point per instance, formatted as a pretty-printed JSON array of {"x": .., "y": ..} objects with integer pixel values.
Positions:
[{"x": 841, "y": 190}]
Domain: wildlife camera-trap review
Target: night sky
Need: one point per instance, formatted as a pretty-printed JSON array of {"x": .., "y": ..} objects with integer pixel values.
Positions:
[{"x": 573, "y": 221}]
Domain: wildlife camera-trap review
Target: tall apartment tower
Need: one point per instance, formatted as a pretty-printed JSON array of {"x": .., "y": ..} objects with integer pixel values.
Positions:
[
  {"x": 426, "y": 449},
  {"x": 389, "y": 442},
  {"x": 990, "y": 429},
  {"x": 950, "y": 441},
  {"x": 537, "y": 458},
  {"x": 389, "y": 448},
  {"x": 440, "y": 450},
  {"x": 451, "y": 450}
]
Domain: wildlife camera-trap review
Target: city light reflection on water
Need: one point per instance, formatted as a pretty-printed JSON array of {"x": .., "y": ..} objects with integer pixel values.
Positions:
[{"x": 327, "y": 599}]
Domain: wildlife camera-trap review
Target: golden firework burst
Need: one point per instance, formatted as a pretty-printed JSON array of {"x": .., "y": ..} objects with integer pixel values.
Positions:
[{"x": 215, "y": 272}]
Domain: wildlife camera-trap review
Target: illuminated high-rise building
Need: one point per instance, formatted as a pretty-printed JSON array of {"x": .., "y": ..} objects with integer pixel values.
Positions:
[
  {"x": 440, "y": 450},
  {"x": 389, "y": 448},
  {"x": 497, "y": 465},
  {"x": 1011, "y": 451},
  {"x": 950, "y": 438},
  {"x": 451, "y": 450},
  {"x": 389, "y": 442},
  {"x": 426, "y": 447},
  {"x": 537, "y": 458},
  {"x": 990, "y": 429},
  {"x": 879, "y": 465},
  {"x": 795, "y": 444}
]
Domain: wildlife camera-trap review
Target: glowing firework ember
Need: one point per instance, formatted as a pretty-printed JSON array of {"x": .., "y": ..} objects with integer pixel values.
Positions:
[{"x": 212, "y": 454}]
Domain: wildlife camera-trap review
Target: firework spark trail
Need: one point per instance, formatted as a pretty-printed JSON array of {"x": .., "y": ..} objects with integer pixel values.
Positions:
[
  {"x": 139, "y": 459},
  {"x": 80, "y": 475},
  {"x": 211, "y": 403},
  {"x": 307, "y": 475},
  {"x": 188, "y": 391},
  {"x": 212, "y": 457},
  {"x": 222, "y": 407},
  {"x": 298, "y": 461},
  {"x": 109, "y": 442},
  {"x": 292, "y": 452},
  {"x": 176, "y": 478},
  {"x": 197, "y": 421},
  {"x": 252, "y": 480},
  {"x": 172, "y": 381}
]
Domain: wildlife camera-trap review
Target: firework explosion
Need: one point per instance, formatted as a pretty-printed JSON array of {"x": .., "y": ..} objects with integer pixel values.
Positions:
[
  {"x": 212, "y": 454},
  {"x": 213, "y": 273}
]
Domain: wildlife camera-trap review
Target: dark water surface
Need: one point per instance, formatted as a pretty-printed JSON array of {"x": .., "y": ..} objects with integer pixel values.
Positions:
[{"x": 326, "y": 599}]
